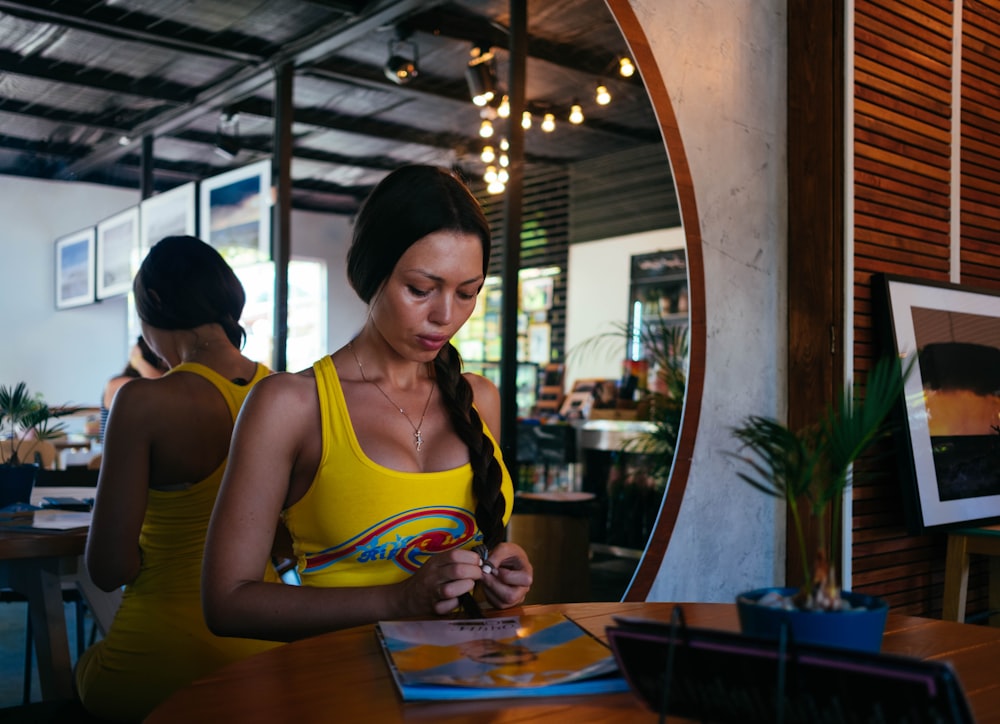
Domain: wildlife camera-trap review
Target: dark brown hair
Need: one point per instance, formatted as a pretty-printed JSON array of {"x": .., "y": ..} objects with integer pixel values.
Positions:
[
  {"x": 407, "y": 205},
  {"x": 183, "y": 283}
]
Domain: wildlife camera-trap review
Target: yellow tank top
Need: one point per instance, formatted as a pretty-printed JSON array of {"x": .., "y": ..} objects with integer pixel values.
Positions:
[
  {"x": 158, "y": 641},
  {"x": 362, "y": 524}
]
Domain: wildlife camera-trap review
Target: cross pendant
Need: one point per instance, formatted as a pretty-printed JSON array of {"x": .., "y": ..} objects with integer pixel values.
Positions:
[{"x": 419, "y": 440}]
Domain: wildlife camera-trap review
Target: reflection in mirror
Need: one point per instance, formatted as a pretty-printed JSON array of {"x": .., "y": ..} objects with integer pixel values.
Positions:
[{"x": 611, "y": 259}]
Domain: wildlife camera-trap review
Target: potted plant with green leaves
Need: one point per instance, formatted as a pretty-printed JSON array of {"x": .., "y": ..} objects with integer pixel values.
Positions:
[
  {"x": 24, "y": 419},
  {"x": 810, "y": 469}
]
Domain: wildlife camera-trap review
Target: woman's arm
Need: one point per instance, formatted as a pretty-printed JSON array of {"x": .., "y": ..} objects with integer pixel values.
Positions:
[
  {"x": 113, "y": 556},
  {"x": 275, "y": 450}
]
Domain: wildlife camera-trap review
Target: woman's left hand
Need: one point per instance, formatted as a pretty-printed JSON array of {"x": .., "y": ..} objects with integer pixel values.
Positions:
[{"x": 509, "y": 578}]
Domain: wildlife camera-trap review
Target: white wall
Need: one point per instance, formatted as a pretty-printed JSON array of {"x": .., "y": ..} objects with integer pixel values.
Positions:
[
  {"x": 597, "y": 296},
  {"x": 723, "y": 63},
  {"x": 68, "y": 354}
]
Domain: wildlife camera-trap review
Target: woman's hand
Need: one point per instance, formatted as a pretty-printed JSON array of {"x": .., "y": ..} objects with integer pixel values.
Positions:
[
  {"x": 509, "y": 577},
  {"x": 438, "y": 583}
]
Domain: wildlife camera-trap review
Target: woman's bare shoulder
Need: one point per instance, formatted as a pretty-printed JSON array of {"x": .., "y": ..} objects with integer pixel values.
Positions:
[{"x": 284, "y": 388}]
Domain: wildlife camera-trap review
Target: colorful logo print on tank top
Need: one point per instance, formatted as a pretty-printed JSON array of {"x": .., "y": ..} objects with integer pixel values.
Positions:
[{"x": 407, "y": 539}]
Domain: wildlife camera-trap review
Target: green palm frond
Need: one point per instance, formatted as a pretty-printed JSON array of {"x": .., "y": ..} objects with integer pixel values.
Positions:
[
  {"x": 23, "y": 415},
  {"x": 815, "y": 464}
]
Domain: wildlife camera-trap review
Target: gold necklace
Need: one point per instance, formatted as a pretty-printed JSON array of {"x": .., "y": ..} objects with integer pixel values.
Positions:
[{"x": 418, "y": 440}]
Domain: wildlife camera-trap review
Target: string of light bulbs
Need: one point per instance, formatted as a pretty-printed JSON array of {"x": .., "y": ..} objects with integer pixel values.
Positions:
[{"x": 495, "y": 105}]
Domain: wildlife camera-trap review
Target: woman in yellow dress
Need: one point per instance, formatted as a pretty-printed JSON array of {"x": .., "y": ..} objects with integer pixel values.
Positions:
[{"x": 166, "y": 446}]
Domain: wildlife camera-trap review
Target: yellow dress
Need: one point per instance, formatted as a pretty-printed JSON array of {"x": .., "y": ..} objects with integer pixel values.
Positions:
[
  {"x": 159, "y": 641},
  {"x": 363, "y": 524}
]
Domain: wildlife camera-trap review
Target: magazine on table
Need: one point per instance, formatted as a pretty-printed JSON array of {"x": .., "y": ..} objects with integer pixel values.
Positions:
[{"x": 510, "y": 656}]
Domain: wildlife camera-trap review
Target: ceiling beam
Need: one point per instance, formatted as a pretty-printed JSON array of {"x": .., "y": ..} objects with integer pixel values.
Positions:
[
  {"x": 352, "y": 72},
  {"x": 59, "y": 71},
  {"x": 451, "y": 22},
  {"x": 312, "y": 48},
  {"x": 125, "y": 24}
]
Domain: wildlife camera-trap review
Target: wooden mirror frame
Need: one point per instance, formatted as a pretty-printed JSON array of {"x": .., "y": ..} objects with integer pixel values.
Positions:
[{"x": 652, "y": 558}]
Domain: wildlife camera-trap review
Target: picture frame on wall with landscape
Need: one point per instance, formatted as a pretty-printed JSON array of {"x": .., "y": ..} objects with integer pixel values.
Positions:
[
  {"x": 75, "y": 269},
  {"x": 117, "y": 253},
  {"x": 235, "y": 213},
  {"x": 950, "y": 458},
  {"x": 170, "y": 213}
]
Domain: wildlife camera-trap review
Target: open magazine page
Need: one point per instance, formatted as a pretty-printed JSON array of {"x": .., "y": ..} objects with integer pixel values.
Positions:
[{"x": 543, "y": 655}]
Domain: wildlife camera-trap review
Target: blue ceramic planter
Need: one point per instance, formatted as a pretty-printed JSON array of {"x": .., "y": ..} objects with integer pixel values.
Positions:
[
  {"x": 859, "y": 629},
  {"x": 16, "y": 482}
]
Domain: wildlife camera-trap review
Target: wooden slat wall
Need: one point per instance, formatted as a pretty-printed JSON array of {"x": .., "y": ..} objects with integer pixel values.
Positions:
[
  {"x": 902, "y": 184},
  {"x": 544, "y": 235},
  {"x": 980, "y": 152}
]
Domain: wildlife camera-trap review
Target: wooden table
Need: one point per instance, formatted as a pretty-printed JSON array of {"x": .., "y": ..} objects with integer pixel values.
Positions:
[
  {"x": 961, "y": 544},
  {"x": 34, "y": 564},
  {"x": 37, "y": 565},
  {"x": 342, "y": 676}
]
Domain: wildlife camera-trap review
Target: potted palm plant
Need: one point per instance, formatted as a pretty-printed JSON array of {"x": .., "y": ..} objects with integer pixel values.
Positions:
[
  {"x": 24, "y": 419},
  {"x": 810, "y": 469}
]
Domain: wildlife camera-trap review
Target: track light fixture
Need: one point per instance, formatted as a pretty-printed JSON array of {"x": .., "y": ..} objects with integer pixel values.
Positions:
[
  {"x": 479, "y": 75},
  {"x": 401, "y": 67},
  {"x": 227, "y": 135}
]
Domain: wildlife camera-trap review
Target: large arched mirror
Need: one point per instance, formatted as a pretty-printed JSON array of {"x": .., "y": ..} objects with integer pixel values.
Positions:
[{"x": 656, "y": 87}]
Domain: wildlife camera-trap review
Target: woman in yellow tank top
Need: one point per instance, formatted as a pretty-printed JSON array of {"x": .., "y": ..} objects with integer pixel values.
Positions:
[
  {"x": 165, "y": 451},
  {"x": 381, "y": 459}
]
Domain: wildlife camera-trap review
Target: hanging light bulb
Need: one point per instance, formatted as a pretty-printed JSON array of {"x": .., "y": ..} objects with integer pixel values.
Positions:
[
  {"x": 548, "y": 123},
  {"x": 576, "y": 114},
  {"x": 488, "y": 155},
  {"x": 491, "y": 174},
  {"x": 526, "y": 120},
  {"x": 602, "y": 96},
  {"x": 626, "y": 67},
  {"x": 504, "y": 160},
  {"x": 504, "y": 144},
  {"x": 486, "y": 129},
  {"x": 502, "y": 176},
  {"x": 495, "y": 187},
  {"x": 503, "y": 110}
]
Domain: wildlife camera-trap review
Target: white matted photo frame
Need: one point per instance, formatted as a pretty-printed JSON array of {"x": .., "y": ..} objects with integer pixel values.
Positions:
[
  {"x": 950, "y": 456},
  {"x": 75, "y": 268},
  {"x": 117, "y": 253},
  {"x": 170, "y": 213},
  {"x": 235, "y": 213}
]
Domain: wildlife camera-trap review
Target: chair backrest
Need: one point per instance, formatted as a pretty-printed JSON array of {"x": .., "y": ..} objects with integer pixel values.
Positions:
[{"x": 29, "y": 450}]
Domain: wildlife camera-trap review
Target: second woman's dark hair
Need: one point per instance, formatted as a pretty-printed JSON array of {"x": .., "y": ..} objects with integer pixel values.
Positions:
[
  {"x": 407, "y": 205},
  {"x": 183, "y": 283}
]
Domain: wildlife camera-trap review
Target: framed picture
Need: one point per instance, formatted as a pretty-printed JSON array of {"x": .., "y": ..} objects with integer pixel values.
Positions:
[
  {"x": 951, "y": 420},
  {"x": 117, "y": 253},
  {"x": 75, "y": 269},
  {"x": 537, "y": 293},
  {"x": 236, "y": 213},
  {"x": 171, "y": 213}
]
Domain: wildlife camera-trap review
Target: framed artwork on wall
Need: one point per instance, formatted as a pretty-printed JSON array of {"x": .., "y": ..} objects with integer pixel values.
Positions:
[
  {"x": 117, "y": 253},
  {"x": 171, "y": 213},
  {"x": 950, "y": 427},
  {"x": 235, "y": 213},
  {"x": 75, "y": 269}
]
